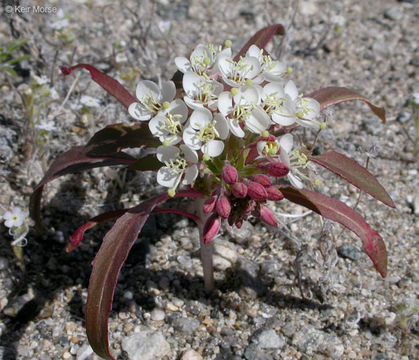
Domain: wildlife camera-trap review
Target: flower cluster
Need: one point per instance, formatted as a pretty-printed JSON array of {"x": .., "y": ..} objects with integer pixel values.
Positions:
[{"x": 222, "y": 136}]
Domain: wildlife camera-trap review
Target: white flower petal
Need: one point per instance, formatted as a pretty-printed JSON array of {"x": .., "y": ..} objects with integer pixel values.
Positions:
[
  {"x": 178, "y": 107},
  {"x": 286, "y": 142},
  {"x": 258, "y": 121},
  {"x": 190, "y": 137},
  {"x": 247, "y": 95},
  {"x": 213, "y": 148},
  {"x": 235, "y": 128},
  {"x": 200, "y": 118},
  {"x": 225, "y": 103},
  {"x": 168, "y": 91},
  {"x": 191, "y": 82},
  {"x": 146, "y": 88},
  {"x": 274, "y": 88},
  {"x": 167, "y": 177},
  {"x": 138, "y": 112},
  {"x": 183, "y": 64},
  {"x": 221, "y": 126},
  {"x": 190, "y": 154},
  {"x": 190, "y": 175},
  {"x": 167, "y": 153},
  {"x": 291, "y": 90},
  {"x": 295, "y": 181}
]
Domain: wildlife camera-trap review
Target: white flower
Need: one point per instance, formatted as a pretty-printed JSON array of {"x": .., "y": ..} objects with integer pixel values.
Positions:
[
  {"x": 271, "y": 70},
  {"x": 46, "y": 126},
  {"x": 14, "y": 218},
  {"x": 200, "y": 92},
  {"x": 40, "y": 80},
  {"x": 204, "y": 130},
  {"x": 60, "y": 24},
  {"x": 152, "y": 99},
  {"x": 241, "y": 106},
  {"x": 286, "y": 107},
  {"x": 286, "y": 144},
  {"x": 199, "y": 62},
  {"x": 167, "y": 125},
  {"x": 415, "y": 99},
  {"x": 239, "y": 73},
  {"x": 179, "y": 162},
  {"x": 89, "y": 101}
]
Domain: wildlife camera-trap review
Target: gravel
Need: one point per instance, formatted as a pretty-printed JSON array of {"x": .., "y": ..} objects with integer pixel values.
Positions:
[{"x": 281, "y": 294}]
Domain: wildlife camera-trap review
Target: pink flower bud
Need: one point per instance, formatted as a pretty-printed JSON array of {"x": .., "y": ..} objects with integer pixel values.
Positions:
[
  {"x": 267, "y": 216},
  {"x": 239, "y": 190},
  {"x": 211, "y": 228},
  {"x": 256, "y": 191},
  {"x": 274, "y": 193},
  {"x": 230, "y": 174},
  {"x": 223, "y": 207},
  {"x": 209, "y": 205},
  {"x": 262, "y": 179},
  {"x": 277, "y": 169}
]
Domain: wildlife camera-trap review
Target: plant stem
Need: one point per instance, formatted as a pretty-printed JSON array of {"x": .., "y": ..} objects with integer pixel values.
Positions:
[{"x": 206, "y": 250}]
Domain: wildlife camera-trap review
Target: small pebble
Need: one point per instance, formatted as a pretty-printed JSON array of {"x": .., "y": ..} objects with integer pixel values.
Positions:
[
  {"x": 191, "y": 355},
  {"x": 158, "y": 314}
]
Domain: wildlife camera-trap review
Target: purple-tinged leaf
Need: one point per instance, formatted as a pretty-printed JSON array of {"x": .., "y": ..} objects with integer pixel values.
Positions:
[
  {"x": 329, "y": 96},
  {"x": 78, "y": 235},
  {"x": 147, "y": 163},
  {"x": 337, "y": 211},
  {"x": 354, "y": 173},
  {"x": 112, "y": 86},
  {"x": 261, "y": 38},
  {"x": 116, "y": 137},
  {"x": 74, "y": 160},
  {"x": 107, "y": 265}
]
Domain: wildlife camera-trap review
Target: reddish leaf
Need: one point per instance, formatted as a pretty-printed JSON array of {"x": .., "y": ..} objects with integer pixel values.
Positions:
[
  {"x": 354, "y": 173},
  {"x": 78, "y": 235},
  {"x": 329, "y": 96},
  {"x": 107, "y": 265},
  {"x": 112, "y": 86},
  {"x": 74, "y": 160},
  {"x": 116, "y": 137},
  {"x": 147, "y": 163},
  {"x": 337, "y": 211},
  {"x": 261, "y": 38}
]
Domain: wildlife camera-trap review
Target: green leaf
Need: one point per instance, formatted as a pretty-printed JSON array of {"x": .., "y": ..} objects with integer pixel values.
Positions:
[
  {"x": 337, "y": 211},
  {"x": 11, "y": 71},
  {"x": 14, "y": 45},
  {"x": 107, "y": 265},
  {"x": 329, "y": 96},
  {"x": 354, "y": 173}
]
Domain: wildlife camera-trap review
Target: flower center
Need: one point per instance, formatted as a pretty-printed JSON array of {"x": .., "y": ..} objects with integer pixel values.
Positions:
[
  {"x": 271, "y": 148},
  {"x": 172, "y": 125},
  {"x": 208, "y": 133}
]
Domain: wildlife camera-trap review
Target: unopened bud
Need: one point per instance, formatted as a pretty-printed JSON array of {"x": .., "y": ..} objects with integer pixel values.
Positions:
[
  {"x": 256, "y": 191},
  {"x": 230, "y": 174},
  {"x": 239, "y": 190},
  {"x": 274, "y": 193},
  {"x": 211, "y": 228},
  {"x": 267, "y": 216},
  {"x": 262, "y": 179},
  {"x": 209, "y": 205},
  {"x": 277, "y": 169},
  {"x": 223, "y": 207}
]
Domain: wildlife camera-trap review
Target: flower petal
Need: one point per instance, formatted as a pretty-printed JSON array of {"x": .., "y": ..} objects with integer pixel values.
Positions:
[
  {"x": 291, "y": 90},
  {"x": 225, "y": 103},
  {"x": 183, "y": 64},
  {"x": 168, "y": 91},
  {"x": 167, "y": 177},
  {"x": 190, "y": 175},
  {"x": 189, "y": 154},
  {"x": 286, "y": 142},
  {"x": 167, "y": 153},
  {"x": 213, "y": 148},
  {"x": 221, "y": 126},
  {"x": 138, "y": 112},
  {"x": 146, "y": 88}
]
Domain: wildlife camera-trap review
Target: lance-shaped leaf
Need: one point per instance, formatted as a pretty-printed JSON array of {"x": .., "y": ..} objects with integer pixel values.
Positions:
[
  {"x": 116, "y": 137},
  {"x": 354, "y": 173},
  {"x": 337, "y": 211},
  {"x": 332, "y": 95},
  {"x": 74, "y": 160},
  {"x": 78, "y": 235},
  {"x": 261, "y": 38},
  {"x": 107, "y": 265},
  {"x": 112, "y": 86}
]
